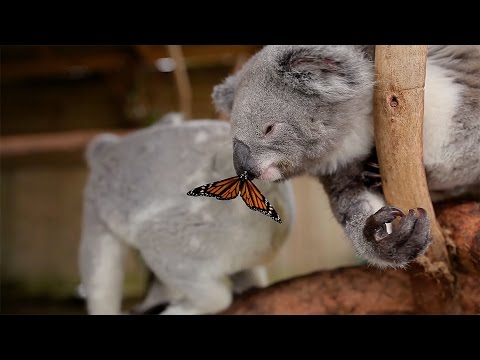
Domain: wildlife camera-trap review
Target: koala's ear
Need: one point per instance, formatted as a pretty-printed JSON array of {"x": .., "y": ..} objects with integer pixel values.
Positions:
[
  {"x": 224, "y": 93},
  {"x": 334, "y": 73}
]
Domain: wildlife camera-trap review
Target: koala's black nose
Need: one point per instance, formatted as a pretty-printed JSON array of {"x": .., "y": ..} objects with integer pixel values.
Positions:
[{"x": 242, "y": 159}]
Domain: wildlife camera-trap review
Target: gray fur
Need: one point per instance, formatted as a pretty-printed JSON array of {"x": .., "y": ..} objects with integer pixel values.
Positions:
[
  {"x": 136, "y": 196},
  {"x": 225, "y": 94},
  {"x": 459, "y": 173},
  {"x": 308, "y": 109},
  {"x": 98, "y": 145}
]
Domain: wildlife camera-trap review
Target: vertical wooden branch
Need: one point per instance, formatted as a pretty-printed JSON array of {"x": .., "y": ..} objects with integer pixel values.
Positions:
[
  {"x": 398, "y": 106},
  {"x": 182, "y": 80}
]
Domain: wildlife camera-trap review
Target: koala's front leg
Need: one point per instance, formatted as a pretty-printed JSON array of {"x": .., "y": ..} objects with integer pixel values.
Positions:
[{"x": 363, "y": 215}]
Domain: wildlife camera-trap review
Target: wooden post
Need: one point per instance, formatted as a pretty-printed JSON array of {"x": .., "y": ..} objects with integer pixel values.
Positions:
[
  {"x": 398, "y": 108},
  {"x": 181, "y": 79}
]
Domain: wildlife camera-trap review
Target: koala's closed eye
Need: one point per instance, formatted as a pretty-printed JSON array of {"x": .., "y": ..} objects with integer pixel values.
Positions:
[{"x": 268, "y": 129}]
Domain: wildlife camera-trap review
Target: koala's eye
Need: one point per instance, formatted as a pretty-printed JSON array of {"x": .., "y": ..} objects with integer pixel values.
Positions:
[{"x": 268, "y": 129}]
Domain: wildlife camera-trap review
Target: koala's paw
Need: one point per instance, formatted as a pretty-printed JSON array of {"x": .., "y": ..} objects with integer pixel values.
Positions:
[{"x": 410, "y": 237}]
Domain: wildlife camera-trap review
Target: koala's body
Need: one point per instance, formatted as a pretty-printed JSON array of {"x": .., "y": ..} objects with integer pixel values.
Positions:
[
  {"x": 200, "y": 249},
  {"x": 308, "y": 109}
]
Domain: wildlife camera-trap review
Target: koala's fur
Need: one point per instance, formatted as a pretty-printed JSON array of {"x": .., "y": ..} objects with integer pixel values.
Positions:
[
  {"x": 198, "y": 248},
  {"x": 299, "y": 109}
]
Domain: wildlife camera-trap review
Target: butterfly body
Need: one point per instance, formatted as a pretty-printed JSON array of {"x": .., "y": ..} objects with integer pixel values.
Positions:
[{"x": 230, "y": 188}]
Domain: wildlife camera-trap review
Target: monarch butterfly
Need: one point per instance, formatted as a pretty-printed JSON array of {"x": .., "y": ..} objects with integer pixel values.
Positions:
[{"x": 229, "y": 189}]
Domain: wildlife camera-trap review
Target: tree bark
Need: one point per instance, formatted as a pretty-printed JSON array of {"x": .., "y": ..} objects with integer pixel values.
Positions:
[
  {"x": 460, "y": 222},
  {"x": 366, "y": 290},
  {"x": 358, "y": 291}
]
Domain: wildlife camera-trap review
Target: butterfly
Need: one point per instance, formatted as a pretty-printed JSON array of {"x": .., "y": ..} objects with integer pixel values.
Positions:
[{"x": 229, "y": 189}]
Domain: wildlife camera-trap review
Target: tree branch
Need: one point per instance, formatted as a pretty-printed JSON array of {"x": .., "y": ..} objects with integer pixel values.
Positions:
[{"x": 398, "y": 109}]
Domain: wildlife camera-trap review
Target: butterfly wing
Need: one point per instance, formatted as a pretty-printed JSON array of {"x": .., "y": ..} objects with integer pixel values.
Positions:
[
  {"x": 255, "y": 200},
  {"x": 226, "y": 189}
]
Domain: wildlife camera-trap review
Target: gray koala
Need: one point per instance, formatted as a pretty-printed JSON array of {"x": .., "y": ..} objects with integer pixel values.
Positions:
[
  {"x": 307, "y": 109},
  {"x": 198, "y": 248}
]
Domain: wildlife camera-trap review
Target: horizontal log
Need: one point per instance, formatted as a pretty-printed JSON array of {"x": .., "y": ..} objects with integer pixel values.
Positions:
[
  {"x": 358, "y": 290},
  {"x": 34, "y": 144},
  {"x": 366, "y": 290}
]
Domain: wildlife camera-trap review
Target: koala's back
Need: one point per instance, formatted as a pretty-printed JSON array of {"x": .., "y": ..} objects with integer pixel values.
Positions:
[
  {"x": 159, "y": 158},
  {"x": 139, "y": 184},
  {"x": 157, "y": 165}
]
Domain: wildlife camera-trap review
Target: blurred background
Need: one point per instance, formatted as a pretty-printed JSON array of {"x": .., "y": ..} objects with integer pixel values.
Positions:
[{"x": 54, "y": 99}]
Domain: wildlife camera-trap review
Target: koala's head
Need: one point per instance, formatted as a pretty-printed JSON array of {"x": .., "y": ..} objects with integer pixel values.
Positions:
[{"x": 292, "y": 105}]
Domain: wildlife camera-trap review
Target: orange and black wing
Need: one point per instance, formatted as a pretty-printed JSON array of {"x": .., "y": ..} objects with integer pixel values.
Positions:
[
  {"x": 226, "y": 189},
  {"x": 256, "y": 201}
]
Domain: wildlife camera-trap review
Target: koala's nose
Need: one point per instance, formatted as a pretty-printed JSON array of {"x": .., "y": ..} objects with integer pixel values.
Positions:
[{"x": 242, "y": 159}]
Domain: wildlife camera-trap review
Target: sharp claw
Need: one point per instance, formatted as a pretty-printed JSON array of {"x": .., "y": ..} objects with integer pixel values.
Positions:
[
  {"x": 367, "y": 173},
  {"x": 422, "y": 212},
  {"x": 372, "y": 164},
  {"x": 396, "y": 211}
]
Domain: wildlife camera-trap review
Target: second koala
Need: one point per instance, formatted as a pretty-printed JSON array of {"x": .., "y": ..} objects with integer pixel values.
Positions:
[{"x": 200, "y": 249}]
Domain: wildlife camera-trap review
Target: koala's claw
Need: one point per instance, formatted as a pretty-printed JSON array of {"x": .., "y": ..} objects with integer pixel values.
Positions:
[
  {"x": 371, "y": 177},
  {"x": 367, "y": 174},
  {"x": 373, "y": 164},
  {"x": 375, "y": 226},
  {"x": 410, "y": 236}
]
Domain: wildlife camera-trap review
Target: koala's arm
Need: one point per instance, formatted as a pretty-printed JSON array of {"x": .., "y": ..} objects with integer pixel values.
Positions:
[{"x": 363, "y": 215}]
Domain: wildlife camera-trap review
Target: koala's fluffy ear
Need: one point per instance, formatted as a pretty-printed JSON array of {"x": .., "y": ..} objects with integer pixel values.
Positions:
[
  {"x": 224, "y": 93},
  {"x": 335, "y": 73}
]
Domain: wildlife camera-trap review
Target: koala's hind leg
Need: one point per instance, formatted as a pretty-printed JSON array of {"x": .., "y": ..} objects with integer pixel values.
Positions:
[
  {"x": 202, "y": 296},
  {"x": 195, "y": 293},
  {"x": 158, "y": 294},
  {"x": 101, "y": 266},
  {"x": 254, "y": 277}
]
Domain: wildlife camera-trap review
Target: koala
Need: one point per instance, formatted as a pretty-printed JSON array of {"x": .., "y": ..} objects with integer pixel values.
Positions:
[
  {"x": 308, "y": 109},
  {"x": 199, "y": 249}
]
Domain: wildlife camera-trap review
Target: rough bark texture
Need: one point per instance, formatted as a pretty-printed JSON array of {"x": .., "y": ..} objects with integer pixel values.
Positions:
[
  {"x": 348, "y": 291},
  {"x": 460, "y": 222},
  {"x": 362, "y": 290},
  {"x": 342, "y": 291}
]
